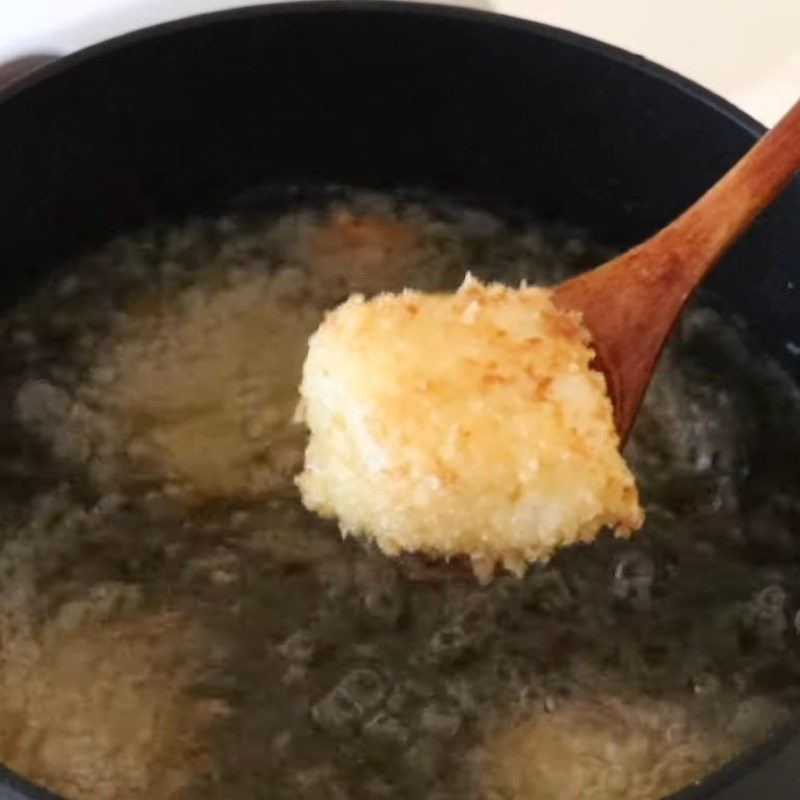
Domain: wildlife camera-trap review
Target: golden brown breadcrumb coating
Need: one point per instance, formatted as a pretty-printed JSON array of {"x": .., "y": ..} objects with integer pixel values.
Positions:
[{"x": 468, "y": 423}]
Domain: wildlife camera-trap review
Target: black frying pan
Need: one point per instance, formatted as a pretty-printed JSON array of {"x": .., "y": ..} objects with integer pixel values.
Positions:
[{"x": 180, "y": 118}]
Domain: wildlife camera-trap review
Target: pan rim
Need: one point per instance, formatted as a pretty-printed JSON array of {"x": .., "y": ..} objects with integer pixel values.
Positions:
[{"x": 14, "y": 787}]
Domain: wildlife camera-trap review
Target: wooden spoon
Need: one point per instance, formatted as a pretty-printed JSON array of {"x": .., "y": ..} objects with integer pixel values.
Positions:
[{"x": 630, "y": 304}]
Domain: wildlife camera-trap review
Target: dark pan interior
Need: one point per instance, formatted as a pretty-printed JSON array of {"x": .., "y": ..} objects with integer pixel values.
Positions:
[{"x": 186, "y": 116}]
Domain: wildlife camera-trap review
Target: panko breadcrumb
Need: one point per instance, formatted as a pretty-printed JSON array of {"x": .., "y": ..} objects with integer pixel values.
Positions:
[{"x": 467, "y": 423}]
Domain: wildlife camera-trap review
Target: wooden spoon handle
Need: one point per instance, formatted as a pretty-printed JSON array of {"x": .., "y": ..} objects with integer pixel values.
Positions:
[
  {"x": 631, "y": 303},
  {"x": 709, "y": 227}
]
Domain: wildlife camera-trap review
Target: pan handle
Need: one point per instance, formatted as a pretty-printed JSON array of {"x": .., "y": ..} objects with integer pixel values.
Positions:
[{"x": 11, "y": 71}]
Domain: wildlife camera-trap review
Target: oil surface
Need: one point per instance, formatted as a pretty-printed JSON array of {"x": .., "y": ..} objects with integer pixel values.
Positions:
[{"x": 173, "y": 624}]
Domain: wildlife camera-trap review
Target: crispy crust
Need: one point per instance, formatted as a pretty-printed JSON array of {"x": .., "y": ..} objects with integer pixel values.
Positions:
[{"x": 469, "y": 423}]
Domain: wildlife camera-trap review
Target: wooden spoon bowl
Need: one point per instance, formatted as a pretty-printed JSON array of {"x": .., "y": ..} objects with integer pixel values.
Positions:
[{"x": 631, "y": 304}]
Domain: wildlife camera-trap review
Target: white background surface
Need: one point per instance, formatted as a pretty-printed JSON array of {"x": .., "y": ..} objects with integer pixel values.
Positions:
[{"x": 746, "y": 50}]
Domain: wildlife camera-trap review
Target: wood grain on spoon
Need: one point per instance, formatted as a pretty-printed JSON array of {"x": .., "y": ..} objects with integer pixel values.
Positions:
[{"x": 630, "y": 304}]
